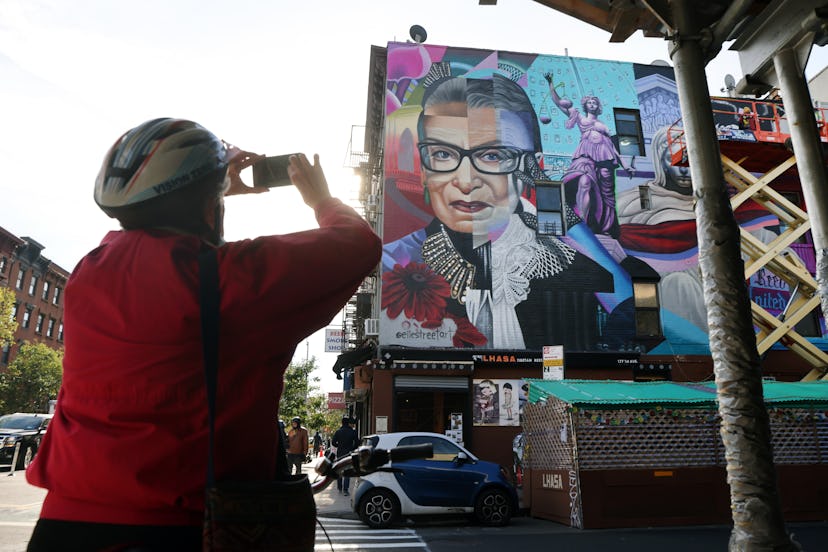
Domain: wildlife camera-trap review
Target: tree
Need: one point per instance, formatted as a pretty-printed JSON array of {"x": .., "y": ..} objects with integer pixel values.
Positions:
[
  {"x": 298, "y": 386},
  {"x": 32, "y": 379},
  {"x": 320, "y": 418},
  {"x": 302, "y": 397},
  {"x": 8, "y": 325}
]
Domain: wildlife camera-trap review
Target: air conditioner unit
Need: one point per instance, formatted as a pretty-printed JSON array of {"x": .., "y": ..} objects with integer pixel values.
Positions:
[{"x": 372, "y": 326}]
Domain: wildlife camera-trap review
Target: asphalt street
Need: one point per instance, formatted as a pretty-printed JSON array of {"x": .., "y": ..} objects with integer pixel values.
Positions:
[{"x": 340, "y": 530}]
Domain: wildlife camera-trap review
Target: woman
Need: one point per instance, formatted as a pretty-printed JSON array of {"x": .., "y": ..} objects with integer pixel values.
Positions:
[
  {"x": 479, "y": 275},
  {"x": 593, "y": 163}
]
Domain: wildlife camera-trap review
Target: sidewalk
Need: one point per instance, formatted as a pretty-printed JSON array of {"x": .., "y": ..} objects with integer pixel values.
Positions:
[{"x": 331, "y": 502}]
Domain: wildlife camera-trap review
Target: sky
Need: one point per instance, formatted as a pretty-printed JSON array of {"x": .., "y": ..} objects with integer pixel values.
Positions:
[{"x": 271, "y": 76}]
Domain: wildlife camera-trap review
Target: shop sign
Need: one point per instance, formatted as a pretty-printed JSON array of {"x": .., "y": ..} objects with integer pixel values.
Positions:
[
  {"x": 336, "y": 401},
  {"x": 506, "y": 358},
  {"x": 334, "y": 340},
  {"x": 552, "y": 481},
  {"x": 553, "y": 362}
]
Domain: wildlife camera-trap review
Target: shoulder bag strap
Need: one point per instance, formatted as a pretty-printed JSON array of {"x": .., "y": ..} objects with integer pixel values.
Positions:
[{"x": 209, "y": 298}]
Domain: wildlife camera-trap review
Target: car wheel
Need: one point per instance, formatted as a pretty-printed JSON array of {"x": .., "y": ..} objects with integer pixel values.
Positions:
[
  {"x": 379, "y": 508},
  {"x": 25, "y": 458},
  {"x": 493, "y": 507}
]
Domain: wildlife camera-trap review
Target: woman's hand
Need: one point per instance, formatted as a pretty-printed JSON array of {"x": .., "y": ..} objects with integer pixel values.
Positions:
[
  {"x": 308, "y": 179},
  {"x": 238, "y": 160}
]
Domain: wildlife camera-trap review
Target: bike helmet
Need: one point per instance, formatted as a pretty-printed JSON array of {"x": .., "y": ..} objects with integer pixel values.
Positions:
[
  {"x": 156, "y": 158},
  {"x": 296, "y": 419}
]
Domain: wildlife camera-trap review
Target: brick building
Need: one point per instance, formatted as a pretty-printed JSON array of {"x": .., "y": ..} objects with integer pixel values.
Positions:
[{"x": 38, "y": 285}]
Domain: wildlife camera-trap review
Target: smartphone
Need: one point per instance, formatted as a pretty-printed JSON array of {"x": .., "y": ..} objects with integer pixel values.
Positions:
[{"x": 272, "y": 172}]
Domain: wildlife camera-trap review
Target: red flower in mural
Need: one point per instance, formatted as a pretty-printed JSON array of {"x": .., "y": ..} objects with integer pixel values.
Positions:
[
  {"x": 467, "y": 335},
  {"x": 416, "y": 290}
]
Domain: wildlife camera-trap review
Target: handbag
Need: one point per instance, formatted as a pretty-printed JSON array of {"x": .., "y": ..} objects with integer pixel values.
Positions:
[{"x": 260, "y": 516}]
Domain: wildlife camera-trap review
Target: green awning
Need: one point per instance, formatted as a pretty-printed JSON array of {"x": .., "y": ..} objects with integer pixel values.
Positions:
[{"x": 611, "y": 393}]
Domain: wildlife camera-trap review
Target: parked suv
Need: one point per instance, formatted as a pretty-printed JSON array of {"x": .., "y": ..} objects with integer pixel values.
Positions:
[{"x": 25, "y": 429}]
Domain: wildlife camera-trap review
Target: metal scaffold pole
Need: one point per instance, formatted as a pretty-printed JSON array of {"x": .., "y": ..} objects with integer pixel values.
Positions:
[{"x": 809, "y": 158}]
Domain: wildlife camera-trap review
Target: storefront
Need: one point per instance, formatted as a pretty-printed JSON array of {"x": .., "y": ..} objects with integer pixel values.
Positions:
[{"x": 477, "y": 399}]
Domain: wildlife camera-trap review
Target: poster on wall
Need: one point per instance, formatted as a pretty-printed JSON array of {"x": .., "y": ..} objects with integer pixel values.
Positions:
[
  {"x": 496, "y": 402},
  {"x": 455, "y": 430}
]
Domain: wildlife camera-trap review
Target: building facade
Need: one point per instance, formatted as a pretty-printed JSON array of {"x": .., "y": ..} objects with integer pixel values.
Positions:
[
  {"x": 38, "y": 286},
  {"x": 536, "y": 219}
]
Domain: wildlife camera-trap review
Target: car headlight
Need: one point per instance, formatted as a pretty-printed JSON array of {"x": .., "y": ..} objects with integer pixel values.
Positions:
[{"x": 9, "y": 441}]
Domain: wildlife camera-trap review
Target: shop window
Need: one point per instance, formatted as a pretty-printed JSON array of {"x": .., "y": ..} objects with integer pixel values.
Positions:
[
  {"x": 550, "y": 205},
  {"x": 427, "y": 410},
  {"x": 647, "y": 306},
  {"x": 628, "y": 131}
]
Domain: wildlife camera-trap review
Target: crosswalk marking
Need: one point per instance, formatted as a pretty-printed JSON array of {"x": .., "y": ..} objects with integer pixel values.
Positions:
[{"x": 345, "y": 535}]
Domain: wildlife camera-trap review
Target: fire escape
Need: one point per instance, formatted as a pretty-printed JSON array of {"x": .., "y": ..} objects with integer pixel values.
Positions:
[{"x": 765, "y": 151}]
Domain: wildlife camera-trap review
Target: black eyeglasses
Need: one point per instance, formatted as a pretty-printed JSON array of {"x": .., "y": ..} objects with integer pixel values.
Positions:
[{"x": 439, "y": 157}]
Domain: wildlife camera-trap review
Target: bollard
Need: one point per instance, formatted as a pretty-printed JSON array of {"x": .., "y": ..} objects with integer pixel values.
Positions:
[{"x": 14, "y": 458}]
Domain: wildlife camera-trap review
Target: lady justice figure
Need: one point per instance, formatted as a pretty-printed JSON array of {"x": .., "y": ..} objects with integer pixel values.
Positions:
[{"x": 593, "y": 163}]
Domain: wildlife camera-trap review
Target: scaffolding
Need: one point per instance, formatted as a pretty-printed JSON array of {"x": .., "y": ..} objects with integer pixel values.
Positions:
[{"x": 753, "y": 159}]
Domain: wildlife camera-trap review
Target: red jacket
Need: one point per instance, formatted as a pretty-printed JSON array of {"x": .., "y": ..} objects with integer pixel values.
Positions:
[{"x": 128, "y": 443}]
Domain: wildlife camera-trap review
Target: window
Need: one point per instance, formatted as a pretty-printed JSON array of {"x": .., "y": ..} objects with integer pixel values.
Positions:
[
  {"x": 45, "y": 295},
  {"x": 443, "y": 449},
  {"x": 60, "y": 332},
  {"x": 39, "y": 325},
  {"x": 27, "y": 317},
  {"x": 551, "y": 215},
  {"x": 21, "y": 274},
  {"x": 6, "y": 354},
  {"x": 628, "y": 132},
  {"x": 647, "y": 316},
  {"x": 33, "y": 285},
  {"x": 3, "y": 262},
  {"x": 56, "y": 299},
  {"x": 644, "y": 197},
  {"x": 50, "y": 329},
  {"x": 15, "y": 310}
]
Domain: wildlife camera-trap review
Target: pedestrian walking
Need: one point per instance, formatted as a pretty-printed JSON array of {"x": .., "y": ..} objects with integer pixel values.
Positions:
[{"x": 345, "y": 440}]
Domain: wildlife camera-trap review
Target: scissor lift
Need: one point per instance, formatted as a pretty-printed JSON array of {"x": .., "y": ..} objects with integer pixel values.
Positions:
[{"x": 765, "y": 150}]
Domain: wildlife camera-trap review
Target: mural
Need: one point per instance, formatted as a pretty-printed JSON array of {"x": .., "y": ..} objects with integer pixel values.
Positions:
[{"x": 468, "y": 135}]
